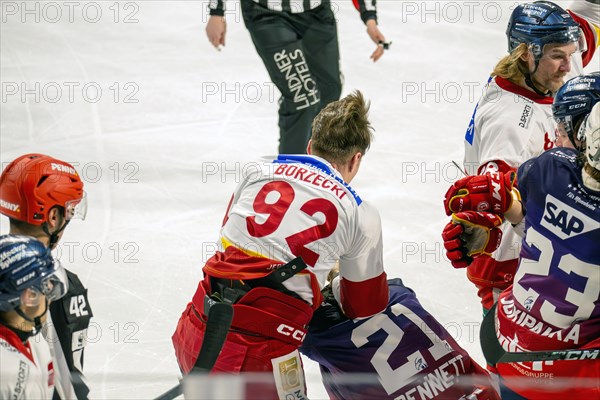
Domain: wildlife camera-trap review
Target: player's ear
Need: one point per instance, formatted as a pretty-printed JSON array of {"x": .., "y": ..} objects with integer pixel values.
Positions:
[
  {"x": 355, "y": 162},
  {"x": 308, "y": 151},
  {"x": 526, "y": 56},
  {"x": 54, "y": 217}
]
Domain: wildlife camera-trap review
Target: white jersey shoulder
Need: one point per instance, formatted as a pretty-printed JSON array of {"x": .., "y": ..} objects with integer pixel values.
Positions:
[
  {"x": 27, "y": 375},
  {"x": 508, "y": 126}
]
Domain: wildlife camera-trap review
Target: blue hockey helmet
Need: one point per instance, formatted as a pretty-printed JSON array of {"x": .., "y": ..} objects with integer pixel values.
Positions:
[
  {"x": 25, "y": 263},
  {"x": 574, "y": 101},
  {"x": 540, "y": 23}
]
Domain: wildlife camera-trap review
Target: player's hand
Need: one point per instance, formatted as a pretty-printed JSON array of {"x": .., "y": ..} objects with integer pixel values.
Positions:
[
  {"x": 469, "y": 235},
  {"x": 492, "y": 193},
  {"x": 377, "y": 37},
  {"x": 216, "y": 27}
]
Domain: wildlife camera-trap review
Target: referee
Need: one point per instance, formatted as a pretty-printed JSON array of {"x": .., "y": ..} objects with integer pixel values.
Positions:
[{"x": 297, "y": 41}]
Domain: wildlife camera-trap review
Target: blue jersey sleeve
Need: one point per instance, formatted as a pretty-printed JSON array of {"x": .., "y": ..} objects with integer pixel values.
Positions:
[{"x": 523, "y": 177}]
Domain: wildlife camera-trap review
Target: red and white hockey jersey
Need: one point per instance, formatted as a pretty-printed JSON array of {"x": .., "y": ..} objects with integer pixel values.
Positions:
[
  {"x": 509, "y": 126},
  {"x": 27, "y": 369},
  {"x": 298, "y": 205}
]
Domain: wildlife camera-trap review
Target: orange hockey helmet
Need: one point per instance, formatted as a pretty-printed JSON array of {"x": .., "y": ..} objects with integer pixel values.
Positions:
[{"x": 33, "y": 184}]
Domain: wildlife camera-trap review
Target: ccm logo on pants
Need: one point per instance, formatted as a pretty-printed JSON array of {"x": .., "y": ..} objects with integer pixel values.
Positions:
[{"x": 287, "y": 330}]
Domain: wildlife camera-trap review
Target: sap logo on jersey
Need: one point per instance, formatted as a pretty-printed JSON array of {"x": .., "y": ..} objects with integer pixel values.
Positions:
[{"x": 564, "y": 221}]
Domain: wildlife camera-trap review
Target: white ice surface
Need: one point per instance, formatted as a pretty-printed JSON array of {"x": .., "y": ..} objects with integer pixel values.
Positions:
[{"x": 160, "y": 151}]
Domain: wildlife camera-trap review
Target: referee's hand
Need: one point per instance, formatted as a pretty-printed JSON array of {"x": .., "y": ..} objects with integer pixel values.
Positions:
[
  {"x": 377, "y": 37},
  {"x": 216, "y": 27}
]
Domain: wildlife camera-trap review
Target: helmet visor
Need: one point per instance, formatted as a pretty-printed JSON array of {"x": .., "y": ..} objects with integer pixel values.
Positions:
[
  {"x": 565, "y": 124},
  {"x": 562, "y": 137},
  {"x": 572, "y": 35},
  {"x": 55, "y": 286},
  {"x": 31, "y": 297},
  {"x": 76, "y": 209}
]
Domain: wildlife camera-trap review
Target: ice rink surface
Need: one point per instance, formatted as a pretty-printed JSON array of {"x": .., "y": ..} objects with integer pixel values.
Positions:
[{"x": 161, "y": 127}]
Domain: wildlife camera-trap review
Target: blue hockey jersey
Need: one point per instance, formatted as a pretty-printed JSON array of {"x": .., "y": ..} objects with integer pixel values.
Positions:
[
  {"x": 560, "y": 252},
  {"x": 401, "y": 353},
  {"x": 554, "y": 303}
]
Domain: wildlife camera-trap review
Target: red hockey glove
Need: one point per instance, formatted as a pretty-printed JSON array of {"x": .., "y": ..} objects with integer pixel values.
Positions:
[
  {"x": 469, "y": 235},
  {"x": 491, "y": 192}
]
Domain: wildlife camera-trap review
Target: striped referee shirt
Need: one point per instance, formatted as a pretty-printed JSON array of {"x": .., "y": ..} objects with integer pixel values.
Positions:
[{"x": 367, "y": 8}]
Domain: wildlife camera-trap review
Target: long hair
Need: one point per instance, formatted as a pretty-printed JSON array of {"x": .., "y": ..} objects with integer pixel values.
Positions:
[
  {"x": 342, "y": 129},
  {"x": 593, "y": 172},
  {"x": 512, "y": 67}
]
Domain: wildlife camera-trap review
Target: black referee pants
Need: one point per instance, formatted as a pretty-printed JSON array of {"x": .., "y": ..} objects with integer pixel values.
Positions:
[{"x": 301, "y": 54}]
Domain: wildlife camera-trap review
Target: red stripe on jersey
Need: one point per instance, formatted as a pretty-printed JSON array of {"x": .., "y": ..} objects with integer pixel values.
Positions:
[
  {"x": 226, "y": 217},
  {"x": 556, "y": 380},
  {"x": 233, "y": 263},
  {"x": 366, "y": 298},
  {"x": 588, "y": 32},
  {"x": 12, "y": 339},
  {"x": 50, "y": 374},
  {"x": 356, "y": 4},
  {"x": 516, "y": 89}
]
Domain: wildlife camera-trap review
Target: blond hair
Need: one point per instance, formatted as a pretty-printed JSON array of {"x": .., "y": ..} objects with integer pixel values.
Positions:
[
  {"x": 592, "y": 172},
  {"x": 342, "y": 129},
  {"x": 512, "y": 67}
]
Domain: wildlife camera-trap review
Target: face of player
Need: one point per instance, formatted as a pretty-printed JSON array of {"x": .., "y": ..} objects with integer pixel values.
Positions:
[
  {"x": 554, "y": 64},
  {"x": 562, "y": 139},
  {"x": 33, "y": 303}
]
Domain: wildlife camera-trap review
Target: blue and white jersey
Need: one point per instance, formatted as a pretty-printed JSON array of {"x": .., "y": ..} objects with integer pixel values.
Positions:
[
  {"x": 554, "y": 303},
  {"x": 558, "y": 280},
  {"x": 401, "y": 353}
]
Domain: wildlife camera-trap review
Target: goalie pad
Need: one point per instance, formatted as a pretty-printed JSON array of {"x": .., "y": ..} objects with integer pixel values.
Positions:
[
  {"x": 470, "y": 234},
  {"x": 490, "y": 193}
]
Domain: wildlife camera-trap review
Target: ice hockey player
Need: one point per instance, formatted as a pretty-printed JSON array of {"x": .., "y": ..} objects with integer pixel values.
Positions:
[
  {"x": 513, "y": 122},
  {"x": 554, "y": 303},
  {"x": 29, "y": 279},
  {"x": 401, "y": 353},
  {"x": 297, "y": 42},
  {"x": 40, "y": 195},
  {"x": 294, "y": 206}
]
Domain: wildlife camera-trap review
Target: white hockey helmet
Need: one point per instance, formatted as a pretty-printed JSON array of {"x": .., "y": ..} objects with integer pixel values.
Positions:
[{"x": 590, "y": 129}]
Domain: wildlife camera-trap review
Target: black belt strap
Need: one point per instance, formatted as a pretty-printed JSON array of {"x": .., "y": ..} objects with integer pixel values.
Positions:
[{"x": 231, "y": 290}]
